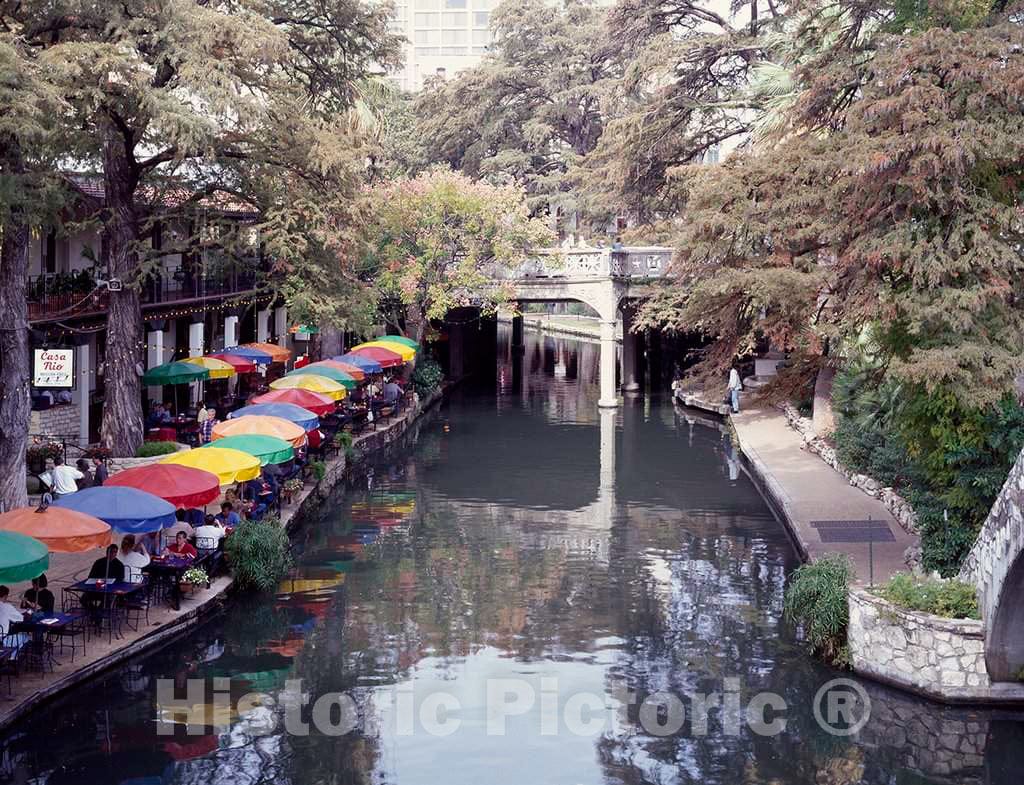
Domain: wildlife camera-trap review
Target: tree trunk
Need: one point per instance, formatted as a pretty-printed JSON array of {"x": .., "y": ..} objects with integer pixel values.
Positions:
[
  {"x": 330, "y": 342},
  {"x": 122, "y": 429},
  {"x": 14, "y": 362}
]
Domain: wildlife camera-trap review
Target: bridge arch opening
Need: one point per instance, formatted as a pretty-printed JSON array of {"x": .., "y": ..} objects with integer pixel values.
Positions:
[{"x": 1004, "y": 648}]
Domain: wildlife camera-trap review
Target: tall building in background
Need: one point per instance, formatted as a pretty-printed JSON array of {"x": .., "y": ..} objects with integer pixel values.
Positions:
[{"x": 443, "y": 35}]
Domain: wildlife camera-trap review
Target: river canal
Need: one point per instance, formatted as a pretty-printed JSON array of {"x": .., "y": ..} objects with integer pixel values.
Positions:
[{"x": 525, "y": 594}]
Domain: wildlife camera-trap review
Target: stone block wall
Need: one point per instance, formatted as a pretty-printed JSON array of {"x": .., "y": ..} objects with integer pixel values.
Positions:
[
  {"x": 942, "y": 658},
  {"x": 120, "y": 464},
  {"x": 61, "y": 421}
]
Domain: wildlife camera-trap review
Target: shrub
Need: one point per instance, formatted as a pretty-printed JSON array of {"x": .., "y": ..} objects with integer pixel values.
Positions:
[
  {"x": 44, "y": 452},
  {"x": 319, "y": 469},
  {"x": 427, "y": 376},
  {"x": 150, "y": 449},
  {"x": 816, "y": 599},
  {"x": 258, "y": 553},
  {"x": 952, "y": 599},
  {"x": 343, "y": 441},
  {"x": 195, "y": 576}
]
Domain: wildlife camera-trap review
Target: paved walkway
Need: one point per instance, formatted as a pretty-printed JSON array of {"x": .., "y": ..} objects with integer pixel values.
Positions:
[{"x": 807, "y": 490}]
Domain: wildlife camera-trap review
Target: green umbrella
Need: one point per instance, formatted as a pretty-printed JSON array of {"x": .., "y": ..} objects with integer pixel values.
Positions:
[
  {"x": 269, "y": 449},
  {"x": 21, "y": 558},
  {"x": 175, "y": 373},
  {"x": 398, "y": 339},
  {"x": 334, "y": 374}
]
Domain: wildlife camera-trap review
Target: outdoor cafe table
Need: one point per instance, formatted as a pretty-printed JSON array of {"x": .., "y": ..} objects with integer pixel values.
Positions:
[
  {"x": 39, "y": 625},
  {"x": 168, "y": 569},
  {"x": 109, "y": 589}
]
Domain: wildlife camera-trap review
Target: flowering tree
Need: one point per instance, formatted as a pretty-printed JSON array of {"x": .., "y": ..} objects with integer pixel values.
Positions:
[{"x": 440, "y": 241}]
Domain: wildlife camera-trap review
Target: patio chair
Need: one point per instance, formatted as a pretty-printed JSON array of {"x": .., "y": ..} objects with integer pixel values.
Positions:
[
  {"x": 136, "y": 606},
  {"x": 71, "y": 636}
]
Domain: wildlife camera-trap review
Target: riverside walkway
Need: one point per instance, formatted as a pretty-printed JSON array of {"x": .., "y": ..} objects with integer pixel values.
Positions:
[{"x": 817, "y": 502}]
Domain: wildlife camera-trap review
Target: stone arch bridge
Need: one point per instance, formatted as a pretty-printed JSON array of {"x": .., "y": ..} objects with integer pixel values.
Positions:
[
  {"x": 609, "y": 280},
  {"x": 995, "y": 566}
]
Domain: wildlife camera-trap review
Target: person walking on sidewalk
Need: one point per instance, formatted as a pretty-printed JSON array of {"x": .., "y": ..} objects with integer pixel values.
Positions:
[{"x": 735, "y": 385}]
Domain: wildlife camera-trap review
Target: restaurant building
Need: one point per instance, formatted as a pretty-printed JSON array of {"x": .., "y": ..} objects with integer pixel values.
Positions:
[{"x": 194, "y": 302}]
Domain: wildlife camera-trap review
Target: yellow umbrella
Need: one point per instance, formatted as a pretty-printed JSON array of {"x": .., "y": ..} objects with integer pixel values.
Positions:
[
  {"x": 230, "y": 466},
  {"x": 218, "y": 368},
  {"x": 406, "y": 352},
  {"x": 313, "y": 382},
  {"x": 261, "y": 424}
]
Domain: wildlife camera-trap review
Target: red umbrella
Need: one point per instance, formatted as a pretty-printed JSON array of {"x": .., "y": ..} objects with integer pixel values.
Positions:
[
  {"x": 307, "y": 399},
  {"x": 182, "y": 486},
  {"x": 385, "y": 358},
  {"x": 240, "y": 364}
]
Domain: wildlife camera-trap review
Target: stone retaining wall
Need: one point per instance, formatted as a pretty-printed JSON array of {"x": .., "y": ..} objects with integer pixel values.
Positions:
[
  {"x": 60, "y": 422},
  {"x": 941, "y": 658},
  {"x": 120, "y": 464}
]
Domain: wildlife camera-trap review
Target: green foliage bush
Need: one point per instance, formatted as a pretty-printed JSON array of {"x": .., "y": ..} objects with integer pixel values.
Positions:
[
  {"x": 952, "y": 599},
  {"x": 258, "y": 553},
  {"x": 151, "y": 449},
  {"x": 319, "y": 469},
  {"x": 816, "y": 599},
  {"x": 947, "y": 459},
  {"x": 427, "y": 376}
]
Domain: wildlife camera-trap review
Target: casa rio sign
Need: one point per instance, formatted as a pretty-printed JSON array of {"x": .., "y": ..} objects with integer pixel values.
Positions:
[{"x": 54, "y": 368}]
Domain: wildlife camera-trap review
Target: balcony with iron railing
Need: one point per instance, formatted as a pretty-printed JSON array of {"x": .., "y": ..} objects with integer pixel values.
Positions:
[{"x": 54, "y": 296}]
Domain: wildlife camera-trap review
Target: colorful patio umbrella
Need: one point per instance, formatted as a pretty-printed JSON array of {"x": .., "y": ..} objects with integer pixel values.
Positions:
[
  {"x": 384, "y": 357},
  {"x": 313, "y": 382},
  {"x": 269, "y": 449},
  {"x": 229, "y": 465},
  {"x": 368, "y": 364},
  {"x": 174, "y": 373},
  {"x": 127, "y": 510},
  {"x": 278, "y": 353},
  {"x": 61, "y": 531},
  {"x": 21, "y": 558},
  {"x": 183, "y": 486},
  {"x": 304, "y": 399},
  {"x": 261, "y": 424},
  {"x": 249, "y": 352},
  {"x": 341, "y": 377},
  {"x": 403, "y": 351},
  {"x": 240, "y": 364},
  {"x": 218, "y": 368},
  {"x": 398, "y": 339},
  {"x": 354, "y": 371},
  {"x": 302, "y": 417}
]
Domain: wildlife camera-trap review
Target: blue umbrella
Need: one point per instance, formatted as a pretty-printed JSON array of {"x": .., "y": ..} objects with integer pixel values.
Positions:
[
  {"x": 256, "y": 355},
  {"x": 126, "y": 509},
  {"x": 288, "y": 411},
  {"x": 368, "y": 365}
]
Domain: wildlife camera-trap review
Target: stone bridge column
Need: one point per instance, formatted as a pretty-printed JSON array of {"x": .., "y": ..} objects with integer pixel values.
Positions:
[
  {"x": 608, "y": 397},
  {"x": 630, "y": 351}
]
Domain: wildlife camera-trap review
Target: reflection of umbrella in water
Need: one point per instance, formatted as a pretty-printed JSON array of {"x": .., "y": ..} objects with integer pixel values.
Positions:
[
  {"x": 136, "y": 765},
  {"x": 195, "y": 747}
]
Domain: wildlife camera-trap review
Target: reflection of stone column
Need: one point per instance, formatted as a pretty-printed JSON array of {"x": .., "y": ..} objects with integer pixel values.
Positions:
[
  {"x": 606, "y": 485},
  {"x": 630, "y": 350},
  {"x": 518, "y": 344},
  {"x": 455, "y": 351},
  {"x": 608, "y": 363}
]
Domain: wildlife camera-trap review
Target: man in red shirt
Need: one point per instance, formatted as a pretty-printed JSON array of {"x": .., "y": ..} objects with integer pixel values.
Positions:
[{"x": 182, "y": 547}]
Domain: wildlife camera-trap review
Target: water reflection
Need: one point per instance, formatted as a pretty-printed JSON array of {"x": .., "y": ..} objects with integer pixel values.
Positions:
[{"x": 528, "y": 537}]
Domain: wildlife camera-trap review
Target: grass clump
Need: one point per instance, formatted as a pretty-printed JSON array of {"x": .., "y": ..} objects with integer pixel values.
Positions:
[{"x": 950, "y": 598}]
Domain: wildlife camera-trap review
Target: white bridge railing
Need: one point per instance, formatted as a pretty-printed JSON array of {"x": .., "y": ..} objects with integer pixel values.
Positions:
[{"x": 627, "y": 262}]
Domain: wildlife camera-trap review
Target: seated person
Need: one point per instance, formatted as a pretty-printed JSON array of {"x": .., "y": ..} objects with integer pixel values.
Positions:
[
  {"x": 182, "y": 547},
  {"x": 182, "y": 525},
  {"x": 108, "y": 567},
  {"x": 39, "y": 598},
  {"x": 227, "y": 515},
  {"x": 392, "y": 392},
  {"x": 134, "y": 557},
  {"x": 210, "y": 532},
  {"x": 156, "y": 416},
  {"x": 10, "y": 615}
]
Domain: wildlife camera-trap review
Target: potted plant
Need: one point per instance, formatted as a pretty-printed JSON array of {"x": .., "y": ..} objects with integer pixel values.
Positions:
[
  {"x": 290, "y": 487},
  {"x": 38, "y": 454},
  {"x": 194, "y": 576}
]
